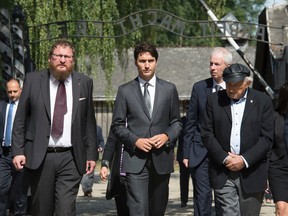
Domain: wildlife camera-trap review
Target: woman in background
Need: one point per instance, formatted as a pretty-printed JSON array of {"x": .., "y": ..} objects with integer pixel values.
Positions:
[{"x": 278, "y": 168}]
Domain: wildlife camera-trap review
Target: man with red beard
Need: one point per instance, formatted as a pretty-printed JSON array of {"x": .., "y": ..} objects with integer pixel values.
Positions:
[{"x": 54, "y": 134}]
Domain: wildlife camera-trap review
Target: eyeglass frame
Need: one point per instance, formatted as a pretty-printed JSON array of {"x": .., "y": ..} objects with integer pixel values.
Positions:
[{"x": 60, "y": 56}]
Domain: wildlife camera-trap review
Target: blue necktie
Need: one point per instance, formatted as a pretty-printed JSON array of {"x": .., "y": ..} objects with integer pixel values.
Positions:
[{"x": 9, "y": 123}]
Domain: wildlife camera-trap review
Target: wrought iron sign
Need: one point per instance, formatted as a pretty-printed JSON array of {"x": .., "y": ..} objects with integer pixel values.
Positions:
[{"x": 193, "y": 29}]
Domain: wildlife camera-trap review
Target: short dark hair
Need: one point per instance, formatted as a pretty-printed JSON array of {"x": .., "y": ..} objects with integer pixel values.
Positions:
[
  {"x": 145, "y": 47},
  {"x": 282, "y": 106},
  {"x": 64, "y": 43}
]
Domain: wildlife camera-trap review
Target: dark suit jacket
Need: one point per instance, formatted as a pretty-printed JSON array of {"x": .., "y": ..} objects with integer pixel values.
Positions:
[
  {"x": 193, "y": 148},
  {"x": 3, "y": 106},
  {"x": 256, "y": 138},
  {"x": 279, "y": 153},
  {"x": 33, "y": 120},
  {"x": 100, "y": 139},
  {"x": 130, "y": 108},
  {"x": 112, "y": 153},
  {"x": 179, "y": 156}
]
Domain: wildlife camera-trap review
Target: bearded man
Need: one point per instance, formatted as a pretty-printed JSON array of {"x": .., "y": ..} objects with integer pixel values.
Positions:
[{"x": 54, "y": 134}]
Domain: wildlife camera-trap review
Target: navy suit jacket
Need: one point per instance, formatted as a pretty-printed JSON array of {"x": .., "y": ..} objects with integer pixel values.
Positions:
[
  {"x": 3, "y": 106},
  {"x": 131, "y": 121},
  {"x": 193, "y": 148},
  {"x": 256, "y": 138},
  {"x": 32, "y": 123}
]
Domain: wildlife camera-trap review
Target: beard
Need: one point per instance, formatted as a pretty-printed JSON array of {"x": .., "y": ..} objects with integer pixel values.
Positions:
[{"x": 60, "y": 75}]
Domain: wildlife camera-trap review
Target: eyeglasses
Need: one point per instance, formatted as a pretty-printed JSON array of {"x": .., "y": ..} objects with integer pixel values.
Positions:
[{"x": 60, "y": 56}]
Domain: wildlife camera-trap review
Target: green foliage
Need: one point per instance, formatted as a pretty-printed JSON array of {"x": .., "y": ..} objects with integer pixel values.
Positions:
[
  {"x": 92, "y": 54},
  {"x": 98, "y": 54}
]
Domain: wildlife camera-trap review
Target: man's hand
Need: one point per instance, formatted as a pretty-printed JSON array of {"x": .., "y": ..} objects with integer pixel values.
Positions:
[
  {"x": 186, "y": 162},
  {"x": 104, "y": 173},
  {"x": 19, "y": 162},
  {"x": 234, "y": 162},
  {"x": 159, "y": 140},
  {"x": 144, "y": 144},
  {"x": 90, "y": 166}
]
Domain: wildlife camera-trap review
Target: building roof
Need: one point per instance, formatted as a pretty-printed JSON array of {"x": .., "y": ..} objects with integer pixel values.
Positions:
[{"x": 182, "y": 66}]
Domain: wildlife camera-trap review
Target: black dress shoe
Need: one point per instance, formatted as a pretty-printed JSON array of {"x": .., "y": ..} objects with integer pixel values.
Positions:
[
  {"x": 87, "y": 194},
  {"x": 183, "y": 204}
]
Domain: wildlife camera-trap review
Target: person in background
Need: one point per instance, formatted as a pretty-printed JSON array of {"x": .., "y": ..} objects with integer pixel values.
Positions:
[
  {"x": 278, "y": 166},
  {"x": 116, "y": 187},
  {"x": 54, "y": 133},
  {"x": 10, "y": 179},
  {"x": 88, "y": 179},
  {"x": 183, "y": 170},
  {"x": 238, "y": 133},
  {"x": 194, "y": 152},
  {"x": 146, "y": 119}
]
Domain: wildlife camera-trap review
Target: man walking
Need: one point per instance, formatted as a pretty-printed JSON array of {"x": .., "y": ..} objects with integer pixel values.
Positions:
[
  {"x": 10, "y": 179},
  {"x": 54, "y": 134},
  {"x": 238, "y": 133},
  {"x": 194, "y": 153},
  {"x": 146, "y": 119}
]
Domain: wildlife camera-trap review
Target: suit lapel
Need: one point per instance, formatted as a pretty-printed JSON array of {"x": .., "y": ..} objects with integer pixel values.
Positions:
[
  {"x": 45, "y": 86},
  {"x": 250, "y": 102},
  {"x": 157, "y": 99},
  {"x": 76, "y": 85},
  {"x": 209, "y": 86}
]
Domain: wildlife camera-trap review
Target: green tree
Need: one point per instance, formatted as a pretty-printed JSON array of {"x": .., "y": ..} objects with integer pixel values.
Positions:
[
  {"x": 89, "y": 52},
  {"x": 96, "y": 54}
]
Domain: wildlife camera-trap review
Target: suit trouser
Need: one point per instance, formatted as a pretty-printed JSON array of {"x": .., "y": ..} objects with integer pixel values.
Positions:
[
  {"x": 11, "y": 186},
  {"x": 54, "y": 186},
  {"x": 202, "y": 192},
  {"x": 147, "y": 191},
  {"x": 184, "y": 182},
  {"x": 231, "y": 200},
  {"x": 121, "y": 200}
]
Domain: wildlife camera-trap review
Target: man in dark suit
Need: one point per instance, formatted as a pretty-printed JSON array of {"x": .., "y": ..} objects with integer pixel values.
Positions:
[
  {"x": 194, "y": 152},
  {"x": 88, "y": 179},
  {"x": 146, "y": 119},
  {"x": 183, "y": 170},
  {"x": 116, "y": 187},
  {"x": 54, "y": 134},
  {"x": 238, "y": 131},
  {"x": 10, "y": 179}
]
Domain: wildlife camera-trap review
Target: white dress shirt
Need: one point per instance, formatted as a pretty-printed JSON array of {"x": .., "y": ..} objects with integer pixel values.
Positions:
[{"x": 65, "y": 139}]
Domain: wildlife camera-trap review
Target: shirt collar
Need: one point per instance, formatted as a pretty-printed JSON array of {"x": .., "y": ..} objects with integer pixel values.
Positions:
[
  {"x": 151, "y": 82},
  {"x": 223, "y": 84},
  {"x": 242, "y": 99},
  {"x": 53, "y": 80}
]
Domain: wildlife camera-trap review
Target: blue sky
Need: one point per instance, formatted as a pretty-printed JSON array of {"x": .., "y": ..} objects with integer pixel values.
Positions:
[{"x": 271, "y": 2}]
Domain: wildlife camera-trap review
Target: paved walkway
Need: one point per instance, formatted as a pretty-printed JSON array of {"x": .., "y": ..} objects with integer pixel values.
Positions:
[{"x": 98, "y": 205}]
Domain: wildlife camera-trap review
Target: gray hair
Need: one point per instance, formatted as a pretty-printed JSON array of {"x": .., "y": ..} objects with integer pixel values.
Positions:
[{"x": 226, "y": 54}]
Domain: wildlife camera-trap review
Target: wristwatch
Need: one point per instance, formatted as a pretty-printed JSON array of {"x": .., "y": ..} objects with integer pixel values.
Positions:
[{"x": 105, "y": 163}]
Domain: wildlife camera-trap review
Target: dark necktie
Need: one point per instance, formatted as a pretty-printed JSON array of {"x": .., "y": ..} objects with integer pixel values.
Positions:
[
  {"x": 60, "y": 110},
  {"x": 9, "y": 123},
  {"x": 147, "y": 98},
  {"x": 218, "y": 88}
]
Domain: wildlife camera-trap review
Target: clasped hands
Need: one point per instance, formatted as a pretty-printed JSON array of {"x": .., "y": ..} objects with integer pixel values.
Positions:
[
  {"x": 234, "y": 162},
  {"x": 146, "y": 144}
]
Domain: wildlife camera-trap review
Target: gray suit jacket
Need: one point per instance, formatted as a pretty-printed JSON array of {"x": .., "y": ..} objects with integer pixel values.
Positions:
[
  {"x": 130, "y": 108},
  {"x": 33, "y": 120}
]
